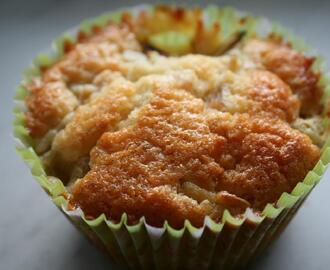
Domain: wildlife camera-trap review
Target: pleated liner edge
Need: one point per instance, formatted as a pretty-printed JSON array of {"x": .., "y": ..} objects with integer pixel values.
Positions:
[{"x": 229, "y": 244}]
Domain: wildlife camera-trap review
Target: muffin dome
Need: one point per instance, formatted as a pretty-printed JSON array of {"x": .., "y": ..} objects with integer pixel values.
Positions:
[{"x": 134, "y": 125}]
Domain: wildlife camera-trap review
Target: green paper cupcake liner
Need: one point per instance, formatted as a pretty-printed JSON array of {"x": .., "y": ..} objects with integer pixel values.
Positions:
[{"x": 229, "y": 244}]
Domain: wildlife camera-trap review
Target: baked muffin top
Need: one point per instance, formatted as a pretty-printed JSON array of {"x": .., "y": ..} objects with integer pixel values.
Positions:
[{"x": 173, "y": 133}]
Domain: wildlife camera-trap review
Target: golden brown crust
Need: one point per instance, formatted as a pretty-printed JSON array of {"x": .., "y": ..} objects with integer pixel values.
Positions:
[
  {"x": 48, "y": 104},
  {"x": 50, "y": 98},
  {"x": 174, "y": 138},
  {"x": 263, "y": 156},
  {"x": 175, "y": 141},
  {"x": 92, "y": 120},
  {"x": 255, "y": 91},
  {"x": 292, "y": 67}
]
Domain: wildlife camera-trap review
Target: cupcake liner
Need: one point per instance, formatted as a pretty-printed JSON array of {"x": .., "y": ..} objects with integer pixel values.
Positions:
[{"x": 229, "y": 244}]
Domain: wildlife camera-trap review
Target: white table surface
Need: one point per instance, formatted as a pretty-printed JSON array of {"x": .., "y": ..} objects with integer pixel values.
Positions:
[{"x": 34, "y": 234}]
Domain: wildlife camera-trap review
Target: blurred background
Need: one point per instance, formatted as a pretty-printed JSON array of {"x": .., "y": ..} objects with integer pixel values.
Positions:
[{"x": 34, "y": 234}]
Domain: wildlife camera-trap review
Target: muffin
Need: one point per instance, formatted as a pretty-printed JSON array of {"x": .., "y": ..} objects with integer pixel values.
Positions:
[{"x": 178, "y": 133}]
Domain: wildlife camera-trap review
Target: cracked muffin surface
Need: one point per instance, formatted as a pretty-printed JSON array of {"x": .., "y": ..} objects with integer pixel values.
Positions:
[
  {"x": 142, "y": 169},
  {"x": 132, "y": 128}
]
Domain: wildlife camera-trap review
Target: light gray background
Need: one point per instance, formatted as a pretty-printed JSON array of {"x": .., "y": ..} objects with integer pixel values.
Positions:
[{"x": 34, "y": 234}]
